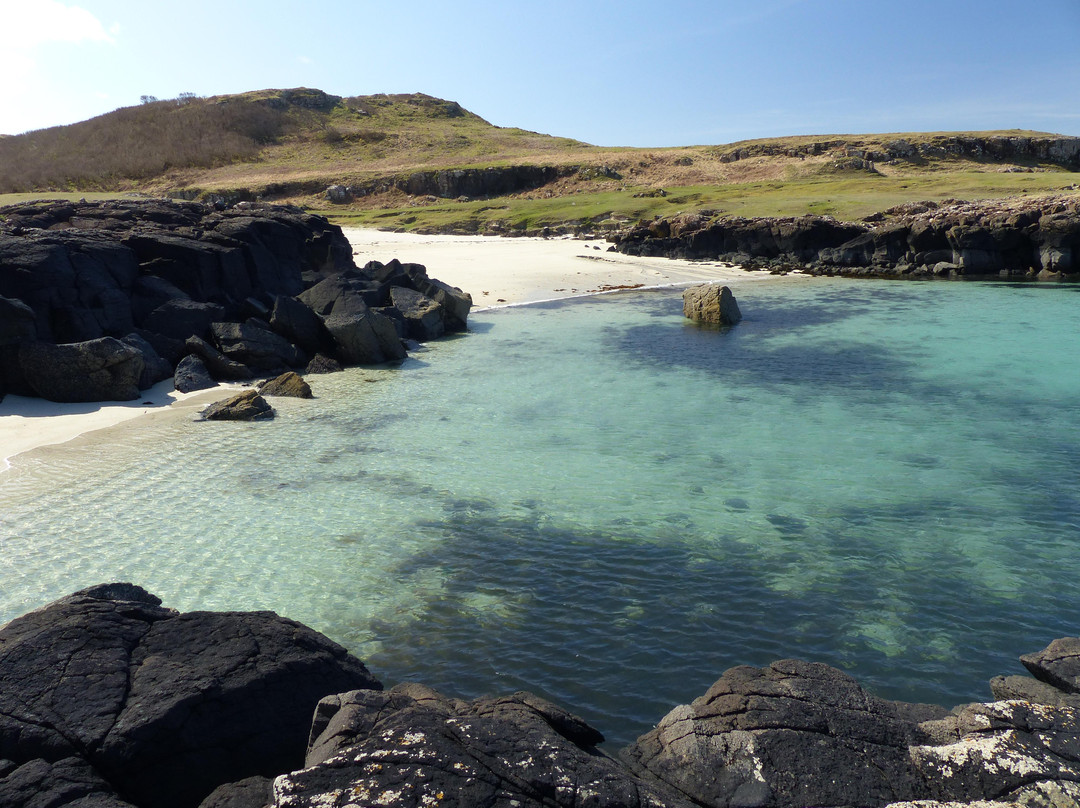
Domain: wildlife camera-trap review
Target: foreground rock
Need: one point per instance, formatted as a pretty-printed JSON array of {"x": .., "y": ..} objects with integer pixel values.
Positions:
[
  {"x": 172, "y": 279},
  {"x": 711, "y": 303},
  {"x": 245, "y": 406},
  {"x": 412, "y": 746},
  {"x": 797, "y": 733},
  {"x": 110, "y": 698},
  {"x": 1011, "y": 238}
]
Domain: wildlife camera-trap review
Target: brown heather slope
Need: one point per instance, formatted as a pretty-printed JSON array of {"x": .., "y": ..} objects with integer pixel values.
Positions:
[{"x": 413, "y": 161}]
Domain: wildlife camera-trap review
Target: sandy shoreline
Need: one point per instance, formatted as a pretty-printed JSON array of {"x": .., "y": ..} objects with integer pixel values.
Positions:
[{"x": 495, "y": 271}]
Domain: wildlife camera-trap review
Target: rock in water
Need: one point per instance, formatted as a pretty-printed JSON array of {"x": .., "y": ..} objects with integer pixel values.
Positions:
[
  {"x": 108, "y": 693},
  {"x": 247, "y": 406},
  {"x": 1058, "y": 664},
  {"x": 287, "y": 384},
  {"x": 711, "y": 303}
]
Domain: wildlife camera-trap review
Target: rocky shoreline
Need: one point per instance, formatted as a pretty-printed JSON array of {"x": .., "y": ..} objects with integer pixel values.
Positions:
[
  {"x": 99, "y": 301},
  {"x": 112, "y": 700},
  {"x": 1012, "y": 239}
]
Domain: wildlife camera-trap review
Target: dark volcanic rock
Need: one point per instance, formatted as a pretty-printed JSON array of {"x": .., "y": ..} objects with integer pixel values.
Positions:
[
  {"x": 255, "y": 346},
  {"x": 181, "y": 318},
  {"x": 246, "y": 406},
  {"x": 77, "y": 272},
  {"x": 412, "y": 746},
  {"x": 155, "y": 369},
  {"x": 424, "y": 318},
  {"x": 794, "y": 733},
  {"x": 219, "y": 365},
  {"x": 1016, "y": 237},
  {"x": 321, "y": 363},
  {"x": 364, "y": 337},
  {"x": 1058, "y": 664},
  {"x": 106, "y": 692},
  {"x": 711, "y": 303},
  {"x": 191, "y": 375},
  {"x": 103, "y": 369},
  {"x": 287, "y": 384}
]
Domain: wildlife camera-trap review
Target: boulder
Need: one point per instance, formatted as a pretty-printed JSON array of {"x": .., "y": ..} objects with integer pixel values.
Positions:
[
  {"x": 255, "y": 346},
  {"x": 412, "y": 746},
  {"x": 297, "y": 323},
  {"x": 102, "y": 369},
  {"x": 155, "y": 369},
  {"x": 106, "y": 692},
  {"x": 321, "y": 363},
  {"x": 711, "y": 303},
  {"x": 191, "y": 375},
  {"x": 793, "y": 733},
  {"x": 364, "y": 338},
  {"x": 181, "y": 318},
  {"x": 288, "y": 384},
  {"x": 424, "y": 318},
  {"x": 455, "y": 303},
  {"x": 246, "y": 406},
  {"x": 219, "y": 365},
  {"x": 1058, "y": 664}
]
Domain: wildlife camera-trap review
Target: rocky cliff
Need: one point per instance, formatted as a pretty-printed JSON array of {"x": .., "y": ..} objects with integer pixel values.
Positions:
[
  {"x": 1011, "y": 238},
  {"x": 111, "y": 700},
  {"x": 101, "y": 300}
]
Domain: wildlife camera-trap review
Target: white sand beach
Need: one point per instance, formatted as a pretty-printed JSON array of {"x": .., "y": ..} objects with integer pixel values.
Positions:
[
  {"x": 504, "y": 271},
  {"x": 495, "y": 271}
]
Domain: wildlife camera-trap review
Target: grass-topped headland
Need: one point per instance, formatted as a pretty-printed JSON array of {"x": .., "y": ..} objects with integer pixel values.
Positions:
[{"x": 422, "y": 163}]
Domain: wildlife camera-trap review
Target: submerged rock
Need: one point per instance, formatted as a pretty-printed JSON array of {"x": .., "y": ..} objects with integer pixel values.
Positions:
[
  {"x": 711, "y": 303},
  {"x": 246, "y": 406}
]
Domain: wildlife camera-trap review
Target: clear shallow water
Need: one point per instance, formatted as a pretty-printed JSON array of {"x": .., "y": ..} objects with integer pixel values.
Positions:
[{"x": 600, "y": 502}]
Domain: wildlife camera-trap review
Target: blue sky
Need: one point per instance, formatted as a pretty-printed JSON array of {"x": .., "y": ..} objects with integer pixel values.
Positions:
[{"x": 631, "y": 73}]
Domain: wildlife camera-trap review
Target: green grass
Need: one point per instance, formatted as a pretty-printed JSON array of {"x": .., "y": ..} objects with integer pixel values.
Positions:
[{"x": 845, "y": 197}]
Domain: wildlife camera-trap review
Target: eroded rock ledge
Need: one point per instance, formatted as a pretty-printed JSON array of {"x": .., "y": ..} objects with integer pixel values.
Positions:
[
  {"x": 101, "y": 300},
  {"x": 1015, "y": 238},
  {"x": 110, "y": 700}
]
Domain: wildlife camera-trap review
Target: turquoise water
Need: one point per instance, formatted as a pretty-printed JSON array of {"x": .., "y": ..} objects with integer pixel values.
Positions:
[{"x": 600, "y": 502}]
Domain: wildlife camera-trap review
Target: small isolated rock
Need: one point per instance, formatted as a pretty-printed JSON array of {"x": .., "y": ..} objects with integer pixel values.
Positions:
[
  {"x": 1058, "y": 664},
  {"x": 247, "y": 406},
  {"x": 287, "y": 384},
  {"x": 711, "y": 303}
]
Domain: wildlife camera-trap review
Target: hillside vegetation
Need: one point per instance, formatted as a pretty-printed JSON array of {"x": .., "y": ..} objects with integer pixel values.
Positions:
[{"x": 413, "y": 161}]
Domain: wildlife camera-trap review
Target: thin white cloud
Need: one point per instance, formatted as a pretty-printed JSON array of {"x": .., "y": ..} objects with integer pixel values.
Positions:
[
  {"x": 27, "y": 25},
  {"x": 30, "y": 24}
]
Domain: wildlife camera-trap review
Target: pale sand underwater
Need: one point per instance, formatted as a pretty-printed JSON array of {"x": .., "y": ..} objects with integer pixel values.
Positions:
[{"x": 495, "y": 271}]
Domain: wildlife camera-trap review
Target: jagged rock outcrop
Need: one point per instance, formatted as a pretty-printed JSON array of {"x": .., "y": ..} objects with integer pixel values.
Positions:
[
  {"x": 250, "y": 290},
  {"x": 412, "y": 746},
  {"x": 711, "y": 303},
  {"x": 797, "y": 733},
  {"x": 245, "y": 406},
  {"x": 1012, "y": 238},
  {"x": 110, "y": 698}
]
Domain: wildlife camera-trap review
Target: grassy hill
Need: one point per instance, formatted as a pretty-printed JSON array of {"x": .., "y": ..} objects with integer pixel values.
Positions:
[{"x": 413, "y": 161}]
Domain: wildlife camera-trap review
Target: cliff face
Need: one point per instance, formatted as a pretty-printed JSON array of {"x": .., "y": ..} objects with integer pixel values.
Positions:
[
  {"x": 1063, "y": 151},
  {"x": 1038, "y": 238}
]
